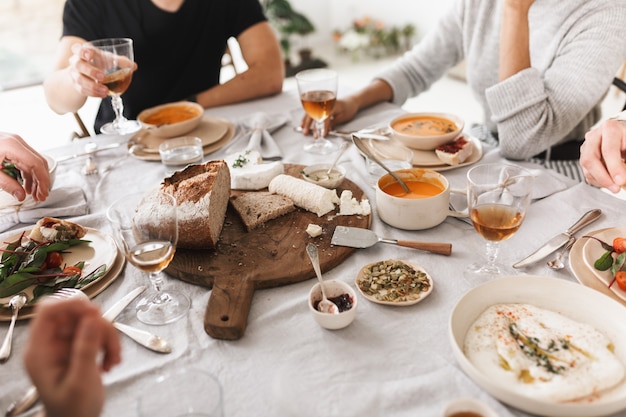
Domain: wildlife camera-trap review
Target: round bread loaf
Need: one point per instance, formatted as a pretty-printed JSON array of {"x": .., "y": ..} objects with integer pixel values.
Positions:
[{"x": 202, "y": 192}]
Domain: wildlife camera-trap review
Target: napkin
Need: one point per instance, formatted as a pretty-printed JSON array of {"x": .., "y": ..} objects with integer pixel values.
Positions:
[
  {"x": 547, "y": 181},
  {"x": 61, "y": 202},
  {"x": 258, "y": 128}
]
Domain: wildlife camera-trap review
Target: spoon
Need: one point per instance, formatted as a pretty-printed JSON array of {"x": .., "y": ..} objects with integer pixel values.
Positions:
[
  {"x": 342, "y": 149},
  {"x": 359, "y": 144},
  {"x": 557, "y": 262},
  {"x": 16, "y": 302},
  {"x": 325, "y": 306}
]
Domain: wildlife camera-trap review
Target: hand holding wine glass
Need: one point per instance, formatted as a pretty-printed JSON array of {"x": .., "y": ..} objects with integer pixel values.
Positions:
[
  {"x": 115, "y": 57},
  {"x": 498, "y": 196},
  {"x": 318, "y": 94},
  {"x": 146, "y": 230}
]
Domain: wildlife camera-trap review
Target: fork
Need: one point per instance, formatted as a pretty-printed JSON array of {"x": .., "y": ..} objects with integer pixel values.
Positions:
[{"x": 144, "y": 338}]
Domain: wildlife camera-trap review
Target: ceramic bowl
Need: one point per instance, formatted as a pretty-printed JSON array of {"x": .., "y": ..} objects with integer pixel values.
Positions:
[
  {"x": 172, "y": 119},
  {"x": 333, "y": 288},
  {"x": 467, "y": 407},
  {"x": 317, "y": 174},
  {"x": 7, "y": 199},
  {"x": 426, "y": 131}
]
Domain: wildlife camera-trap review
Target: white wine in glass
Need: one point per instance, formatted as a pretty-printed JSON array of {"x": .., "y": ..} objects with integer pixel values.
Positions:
[
  {"x": 498, "y": 196},
  {"x": 146, "y": 230},
  {"x": 115, "y": 57},
  {"x": 318, "y": 94}
]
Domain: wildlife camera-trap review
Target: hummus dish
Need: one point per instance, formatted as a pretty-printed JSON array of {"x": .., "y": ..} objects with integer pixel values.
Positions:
[{"x": 542, "y": 354}]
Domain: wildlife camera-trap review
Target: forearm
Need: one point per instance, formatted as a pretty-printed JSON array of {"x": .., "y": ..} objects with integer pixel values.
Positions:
[
  {"x": 60, "y": 93},
  {"x": 514, "y": 39},
  {"x": 245, "y": 86},
  {"x": 376, "y": 92}
]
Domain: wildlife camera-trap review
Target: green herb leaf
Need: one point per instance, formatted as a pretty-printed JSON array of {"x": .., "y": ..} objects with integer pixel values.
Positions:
[{"x": 604, "y": 262}]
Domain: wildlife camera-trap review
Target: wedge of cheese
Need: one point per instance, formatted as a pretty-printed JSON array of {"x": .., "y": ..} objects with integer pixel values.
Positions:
[
  {"x": 306, "y": 195},
  {"x": 455, "y": 153},
  {"x": 248, "y": 172}
]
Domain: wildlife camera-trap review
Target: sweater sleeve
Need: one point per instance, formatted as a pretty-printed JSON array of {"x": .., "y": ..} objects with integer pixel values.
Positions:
[
  {"x": 534, "y": 110},
  {"x": 419, "y": 68}
]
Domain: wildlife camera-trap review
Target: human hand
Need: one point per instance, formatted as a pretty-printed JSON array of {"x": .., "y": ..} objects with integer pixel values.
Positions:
[
  {"x": 602, "y": 153},
  {"x": 32, "y": 166},
  {"x": 69, "y": 346},
  {"x": 344, "y": 111},
  {"x": 87, "y": 77}
]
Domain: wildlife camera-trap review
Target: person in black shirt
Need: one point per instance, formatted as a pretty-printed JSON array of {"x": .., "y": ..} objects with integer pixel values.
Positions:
[{"x": 178, "y": 44}]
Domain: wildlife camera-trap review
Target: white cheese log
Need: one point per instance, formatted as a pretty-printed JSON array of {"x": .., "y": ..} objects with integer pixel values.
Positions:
[{"x": 311, "y": 197}]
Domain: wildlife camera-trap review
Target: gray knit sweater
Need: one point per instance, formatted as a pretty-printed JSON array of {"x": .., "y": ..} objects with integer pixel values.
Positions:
[{"x": 576, "y": 46}]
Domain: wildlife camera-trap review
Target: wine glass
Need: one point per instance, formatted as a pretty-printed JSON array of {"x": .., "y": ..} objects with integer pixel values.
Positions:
[
  {"x": 146, "y": 230},
  {"x": 318, "y": 94},
  {"x": 115, "y": 57},
  {"x": 498, "y": 196}
]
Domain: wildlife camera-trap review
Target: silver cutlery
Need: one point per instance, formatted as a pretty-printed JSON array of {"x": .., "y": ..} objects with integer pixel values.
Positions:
[
  {"x": 16, "y": 303},
  {"x": 559, "y": 240},
  {"x": 557, "y": 263},
  {"x": 142, "y": 337},
  {"x": 88, "y": 152}
]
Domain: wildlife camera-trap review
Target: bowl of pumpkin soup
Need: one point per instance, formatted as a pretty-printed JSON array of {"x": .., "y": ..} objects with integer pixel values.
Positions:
[
  {"x": 426, "y": 131},
  {"x": 425, "y": 205},
  {"x": 172, "y": 119}
]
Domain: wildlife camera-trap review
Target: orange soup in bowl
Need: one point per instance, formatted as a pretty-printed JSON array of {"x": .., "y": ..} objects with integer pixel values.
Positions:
[
  {"x": 424, "y": 126},
  {"x": 417, "y": 189},
  {"x": 171, "y": 115}
]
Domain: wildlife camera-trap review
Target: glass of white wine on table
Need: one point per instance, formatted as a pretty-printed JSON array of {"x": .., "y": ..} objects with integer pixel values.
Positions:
[
  {"x": 145, "y": 228},
  {"x": 318, "y": 94},
  {"x": 498, "y": 196},
  {"x": 115, "y": 56}
]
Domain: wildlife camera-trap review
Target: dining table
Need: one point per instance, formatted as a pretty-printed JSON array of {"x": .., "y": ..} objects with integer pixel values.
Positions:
[{"x": 390, "y": 361}]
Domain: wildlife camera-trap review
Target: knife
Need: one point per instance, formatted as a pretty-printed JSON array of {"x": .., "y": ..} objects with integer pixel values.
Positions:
[
  {"x": 78, "y": 155},
  {"x": 31, "y": 396},
  {"x": 356, "y": 237},
  {"x": 559, "y": 240}
]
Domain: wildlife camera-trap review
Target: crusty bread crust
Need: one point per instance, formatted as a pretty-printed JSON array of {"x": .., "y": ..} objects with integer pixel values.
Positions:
[
  {"x": 201, "y": 193},
  {"x": 257, "y": 208}
]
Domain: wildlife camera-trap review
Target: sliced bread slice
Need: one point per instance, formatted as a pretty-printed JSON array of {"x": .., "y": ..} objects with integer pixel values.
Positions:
[{"x": 257, "y": 208}]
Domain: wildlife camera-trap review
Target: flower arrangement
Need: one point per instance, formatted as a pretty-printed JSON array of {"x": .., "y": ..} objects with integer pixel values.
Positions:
[{"x": 374, "y": 38}]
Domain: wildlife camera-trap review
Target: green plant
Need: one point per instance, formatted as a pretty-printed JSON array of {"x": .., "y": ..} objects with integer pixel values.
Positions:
[{"x": 287, "y": 21}]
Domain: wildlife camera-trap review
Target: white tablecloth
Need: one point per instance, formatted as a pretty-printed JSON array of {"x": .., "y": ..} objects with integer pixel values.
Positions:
[{"x": 388, "y": 362}]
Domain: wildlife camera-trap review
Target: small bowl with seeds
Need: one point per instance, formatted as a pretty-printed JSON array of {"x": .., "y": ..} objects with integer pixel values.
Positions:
[{"x": 394, "y": 282}]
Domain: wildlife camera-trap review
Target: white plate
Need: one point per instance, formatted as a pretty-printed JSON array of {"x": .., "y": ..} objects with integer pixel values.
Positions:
[
  {"x": 583, "y": 255},
  {"x": 100, "y": 251},
  {"x": 150, "y": 154},
  {"x": 557, "y": 295},
  {"x": 429, "y": 159},
  {"x": 423, "y": 295}
]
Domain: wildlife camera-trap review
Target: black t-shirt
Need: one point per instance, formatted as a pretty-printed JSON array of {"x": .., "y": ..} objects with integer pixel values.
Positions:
[{"x": 178, "y": 54}]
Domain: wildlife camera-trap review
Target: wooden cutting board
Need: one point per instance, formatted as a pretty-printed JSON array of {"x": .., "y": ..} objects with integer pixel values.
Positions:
[{"x": 270, "y": 256}]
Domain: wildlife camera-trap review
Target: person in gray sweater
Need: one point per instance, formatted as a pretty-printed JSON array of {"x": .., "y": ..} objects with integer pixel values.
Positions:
[{"x": 539, "y": 68}]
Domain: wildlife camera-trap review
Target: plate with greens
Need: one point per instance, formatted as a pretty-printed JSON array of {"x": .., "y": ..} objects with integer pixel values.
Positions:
[{"x": 39, "y": 269}]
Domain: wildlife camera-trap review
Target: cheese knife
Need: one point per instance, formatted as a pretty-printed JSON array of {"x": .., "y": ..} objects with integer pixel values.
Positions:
[
  {"x": 559, "y": 240},
  {"x": 357, "y": 237},
  {"x": 31, "y": 396},
  {"x": 90, "y": 152}
]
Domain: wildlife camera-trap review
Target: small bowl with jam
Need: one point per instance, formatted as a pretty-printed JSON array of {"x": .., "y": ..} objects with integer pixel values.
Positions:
[
  {"x": 318, "y": 174},
  {"x": 172, "y": 119},
  {"x": 344, "y": 298},
  {"x": 426, "y": 131}
]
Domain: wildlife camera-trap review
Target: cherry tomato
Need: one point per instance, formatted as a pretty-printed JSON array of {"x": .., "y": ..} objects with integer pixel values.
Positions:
[
  {"x": 53, "y": 260},
  {"x": 619, "y": 244},
  {"x": 620, "y": 278},
  {"x": 72, "y": 270}
]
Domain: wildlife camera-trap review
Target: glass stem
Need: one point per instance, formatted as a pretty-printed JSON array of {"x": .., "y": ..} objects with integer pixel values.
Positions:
[
  {"x": 491, "y": 249},
  {"x": 156, "y": 278},
  {"x": 319, "y": 129},
  {"x": 118, "y": 108}
]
